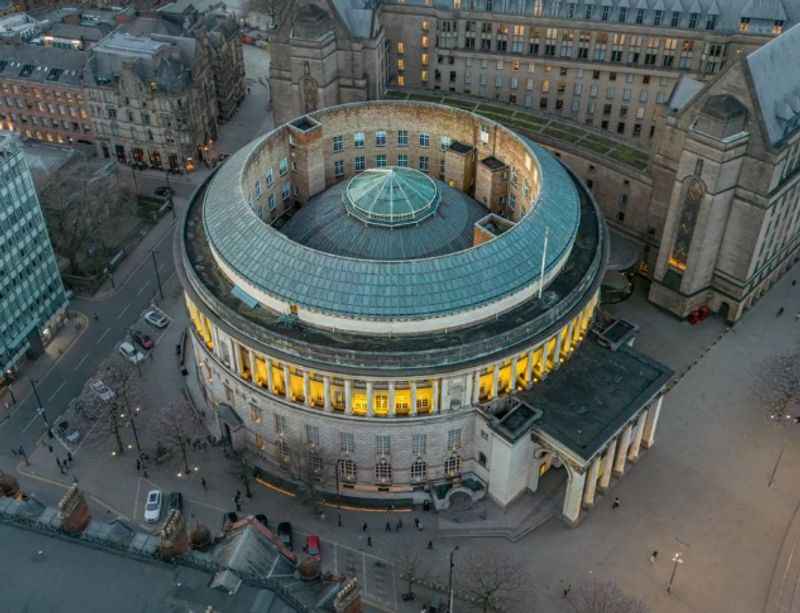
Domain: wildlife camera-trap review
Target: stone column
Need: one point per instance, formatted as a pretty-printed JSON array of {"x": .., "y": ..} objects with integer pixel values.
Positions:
[
  {"x": 326, "y": 393},
  {"x": 470, "y": 378},
  {"x": 252, "y": 357},
  {"x": 633, "y": 452},
  {"x": 622, "y": 451},
  {"x": 608, "y": 465},
  {"x": 529, "y": 369},
  {"x": 435, "y": 399},
  {"x": 269, "y": 373},
  {"x": 514, "y": 365},
  {"x": 215, "y": 337},
  {"x": 390, "y": 410},
  {"x": 370, "y": 402},
  {"x": 306, "y": 389},
  {"x": 653, "y": 413},
  {"x": 573, "y": 497},
  {"x": 591, "y": 483},
  {"x": 557, "y": 350},
  {"x": 495, "y": 379},
  {"x": 476, "y": 387},
  {"x": 287, "y": 387},
  {"x": 445, "y": 405},
  {"x": 413, "y": 397},
  {"x": 348, "y": 396}
]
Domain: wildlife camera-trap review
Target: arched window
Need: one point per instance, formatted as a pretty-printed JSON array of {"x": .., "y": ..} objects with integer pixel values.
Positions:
[
  {"x": 383, "y": 471},
  {"x": 419, "y": 470},
  {"x": 683, "y": 238},
  {"x": 452, "y": 466}
]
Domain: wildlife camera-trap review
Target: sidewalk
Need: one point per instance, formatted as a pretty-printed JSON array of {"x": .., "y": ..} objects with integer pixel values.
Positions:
[{"x": 39, "y": 369}]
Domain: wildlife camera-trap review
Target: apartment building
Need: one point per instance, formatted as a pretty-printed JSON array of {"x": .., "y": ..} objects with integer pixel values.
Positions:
[{"x": 42, "y": 94}]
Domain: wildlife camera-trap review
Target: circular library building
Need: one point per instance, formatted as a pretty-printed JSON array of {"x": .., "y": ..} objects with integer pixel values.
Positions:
[{"x": 376, "y": 292}]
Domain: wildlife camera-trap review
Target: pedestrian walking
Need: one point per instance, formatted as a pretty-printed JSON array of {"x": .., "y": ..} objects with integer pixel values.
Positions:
[
  {"x": 50, "y": 448},
  {"x": 420, "y": 526},
  {"x": 567, "y": 590},
  {"x": 780, "y": 312},
  {"x": 399, "y": 525},
  {"x": 138, "y": 465},
  {"x": 69, "y": 457},
  {"x": 616, "y": 503},
  {"x": 653, "y": 556},
  {"x": 238, "y": 494},
  {"x": 364, "y": 527},
  {"x": 238, "y": 506},
  {"x": 338, "y": 519},
  {"x": 794, "y": 282},
  {"x": 204, "y": 484},
  {"x": 430, "y": 544},
  {"x": 416, "y": 523},
  {"x": 388, "y": 527},
  {"x": 369, "y": 541},
  {"x": 60, "y": 466}
]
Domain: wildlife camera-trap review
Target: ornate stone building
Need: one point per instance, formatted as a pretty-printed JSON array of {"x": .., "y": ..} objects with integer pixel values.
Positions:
[
  {"x": 614, "y": 71},
  {"x": 395, "y": 337}
]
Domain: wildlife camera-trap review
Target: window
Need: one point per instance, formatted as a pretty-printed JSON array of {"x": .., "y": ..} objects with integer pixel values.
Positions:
[
  {"x": 445, "y": 142},
  {"x": 271, "y": 202},
  {"x": 623, "y": 14},
  {"x": 452, "y": 466},
  {"x": 711, "y": 22},
  {"x": 359, "y": 163},
  {"x": 255, "y": 414},
  {"x": 280, "y": 425},
  {"x": 419, "y": 471},
  {"x": 419, "y": 444},
  {"x": 383, "y": 445},
  {"x": 348, "y": 470},
  {"x": 269, "y": 177},
  {"x": 358, "y": 140},
  {"x": 401, "y": 80},
  {"x": 283, "y": 167},
  {"x": 676, "y": 17},
  {"x": 424, "y": 59},
  {"x": 383, "y": 471},
  {"x": 454, "y": 439},
  {"x": 658, "y": 17},
  {"x": 347, "y": 442},
  {"x": 259, "y": 441},
  {"x": 640, "y": 16},
  {"x": 380, "y": 160},
  {"x": 424, "y": 163},
  {"x": 338, "y": 168},
  {"x": 286, "y": 191},
  {"x": 338, "y": 144},
  {"x": 258, "y": 189},
  {"x": 282, "y": 448},
  {"x": 424, "y": 140},
  {"x": 402, "y": 160},
  {"x": 312, "y": 435},
  {"x": 693, "y": 20},
  {"x": 402, "y": 138},
  {"x": 401, "y": 47},
  {"x": 380, "y": 138}
]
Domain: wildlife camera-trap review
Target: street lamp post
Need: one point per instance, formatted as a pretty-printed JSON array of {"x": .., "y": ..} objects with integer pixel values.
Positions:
[
  {"x": 158, "y": 277},
  {"x": 40, "y": 409},
  {"x": 676, "y": 559},
  {"x": 450, "y": 590}
]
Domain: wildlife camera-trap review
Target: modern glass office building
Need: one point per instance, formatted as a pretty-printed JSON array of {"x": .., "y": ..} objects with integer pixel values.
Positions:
[{"x": 32, "y": 296}]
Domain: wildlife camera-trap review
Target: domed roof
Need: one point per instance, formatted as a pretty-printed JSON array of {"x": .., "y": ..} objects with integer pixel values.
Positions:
[{"x": 392, "y": 196}]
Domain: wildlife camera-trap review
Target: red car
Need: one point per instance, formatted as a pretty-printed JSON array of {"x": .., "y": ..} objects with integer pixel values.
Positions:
[
  {"x": 312, "y": 546},
  {"x": 144, "y": 341}
]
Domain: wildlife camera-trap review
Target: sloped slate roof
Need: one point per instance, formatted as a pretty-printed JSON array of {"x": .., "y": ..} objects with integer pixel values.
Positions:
[{"x": 775, "y": 73}]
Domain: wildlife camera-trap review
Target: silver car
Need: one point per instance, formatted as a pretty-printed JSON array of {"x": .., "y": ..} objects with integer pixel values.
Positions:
[
  {"x": 156, "y": 318},
  {"x": 152, "y": 508},
  {"x": 102, "y": 390}
]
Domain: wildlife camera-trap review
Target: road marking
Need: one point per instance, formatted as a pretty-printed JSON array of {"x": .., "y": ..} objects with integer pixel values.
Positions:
[
  {"x": 102, "y": 336},
  {"x": 30, "y": 423},
  {"x": 144, "y": 287},
  {"x": 80, "y": 363},
  {"x": 123, "y": 311},
  {"x": 55, "y": 393}
]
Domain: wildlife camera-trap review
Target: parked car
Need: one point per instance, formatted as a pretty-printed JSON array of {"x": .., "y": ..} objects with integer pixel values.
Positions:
[
  {"x": 152, "y": 508},
  {"x": 142, "y": 339},
  {"x": 101, "y": 389},
  {"x": 130, "y": 353},
  {"x": 263, "y": 519},
  {"x": 175, "y": 501},
  {"x": 285, "y": 535},
  {"x": 312, "y": 546},
  {"x": 71, "y": 435},
  {"x": 165, "y": 191},
  {"x": 156, "y": 318}
]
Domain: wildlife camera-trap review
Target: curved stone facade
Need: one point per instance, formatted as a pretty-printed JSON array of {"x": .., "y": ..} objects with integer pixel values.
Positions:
[{"x": 385, "y": 409}]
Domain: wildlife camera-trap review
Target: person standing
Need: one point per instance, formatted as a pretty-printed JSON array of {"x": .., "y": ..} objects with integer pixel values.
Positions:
[
  {"x": 616, "y": 503},
  {"x": 204, "y": 484},
  {"x": 653, "y": 556},
  {"x": 364, "y": 527}
]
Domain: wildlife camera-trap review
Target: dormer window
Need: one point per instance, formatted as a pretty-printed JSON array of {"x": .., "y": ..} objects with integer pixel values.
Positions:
[
  {"x": 777, "y": 27},
  {"x": 711, "y": 22},
  {"x": 693, "y": 20},
  {"x": 744, "y": 24}
]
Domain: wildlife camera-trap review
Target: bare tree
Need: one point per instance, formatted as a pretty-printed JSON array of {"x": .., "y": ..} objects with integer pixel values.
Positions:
[
  {"x": 409, "y": 567},
  {"x": 492, "y": 583},
  {"x": 312, "y": 466},
  {"x": 175, "y": 423},
  {"x": 605, "y": 597},
  {"x": 76, "y": 209}
]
